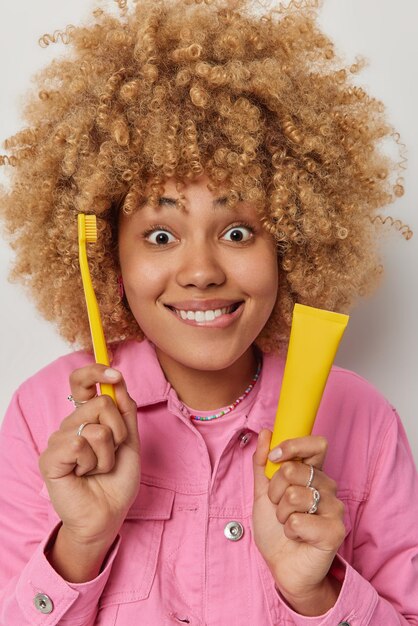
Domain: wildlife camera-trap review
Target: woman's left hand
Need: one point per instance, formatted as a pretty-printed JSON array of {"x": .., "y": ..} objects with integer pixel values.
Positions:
[{"x": 298, "y": 547}]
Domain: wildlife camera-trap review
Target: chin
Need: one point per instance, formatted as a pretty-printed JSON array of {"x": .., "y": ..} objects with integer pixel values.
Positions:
[{"x": 202, "y": 358}]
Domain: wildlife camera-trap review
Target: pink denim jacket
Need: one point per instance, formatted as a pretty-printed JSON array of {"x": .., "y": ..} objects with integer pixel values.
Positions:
[{"x": 172, "y": 562}]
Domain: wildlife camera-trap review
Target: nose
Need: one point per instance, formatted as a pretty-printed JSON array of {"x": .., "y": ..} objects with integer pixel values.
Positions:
[{"x": 200, "y": 266}]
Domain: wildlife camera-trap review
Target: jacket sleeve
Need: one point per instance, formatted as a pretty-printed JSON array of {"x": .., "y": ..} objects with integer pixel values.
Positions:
[
  {"x": 381, "y": 586},
  {"x": 31, "y": 592}
]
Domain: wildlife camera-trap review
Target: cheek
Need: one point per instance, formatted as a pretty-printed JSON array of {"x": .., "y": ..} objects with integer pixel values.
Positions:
[
  {"x": 143, "y": 279},
  {"x": 260, "y": 275},
  {"x": 267, "y": 294}
]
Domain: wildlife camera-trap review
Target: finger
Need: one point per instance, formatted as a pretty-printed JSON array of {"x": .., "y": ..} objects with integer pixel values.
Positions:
[
  {"x": 100, "y": 410},
  {"x": 100, "y": 440},
  {"x": 83, "y": 381},
  {"x": 323, "y": 533},
  {"x": 128, "y": 411},
  {"x": 261, "y": 482},
  {"x": 297, "y": 473},
  {"x": 299, "y": 500},
  {"x": 63, "y": 455},
  {"x": 311, "y": 450}
]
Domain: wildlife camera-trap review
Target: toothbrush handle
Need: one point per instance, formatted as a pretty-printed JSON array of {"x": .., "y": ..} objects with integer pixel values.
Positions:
[
  {"x": 108, "y": 390},
  {"x": 96, "y": 328}
]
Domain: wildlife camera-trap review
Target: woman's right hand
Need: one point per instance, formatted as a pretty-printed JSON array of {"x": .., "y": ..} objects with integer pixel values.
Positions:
[{"x": 93, "y": 478}]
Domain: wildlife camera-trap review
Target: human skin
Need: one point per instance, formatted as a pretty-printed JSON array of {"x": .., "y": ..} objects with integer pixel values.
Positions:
[
  {"x": 298, "y": 548},
  {"x": 200, "y": 263},
  {"x": 92, "y": 479},
  {"x": 208, "y": 256}
]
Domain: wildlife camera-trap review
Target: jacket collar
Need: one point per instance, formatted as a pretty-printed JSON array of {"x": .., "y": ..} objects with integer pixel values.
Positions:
[
  {"x": 145, "y": 379},
  {"x": 147, "y": 384}
]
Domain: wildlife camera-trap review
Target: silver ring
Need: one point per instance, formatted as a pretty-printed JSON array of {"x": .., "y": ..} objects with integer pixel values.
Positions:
[
  {"x": 78, "y": 403},
  {"x": 311, "y": 476},
  {"x": 316, "y": 498},
  {"x": 80, "y": 428}
]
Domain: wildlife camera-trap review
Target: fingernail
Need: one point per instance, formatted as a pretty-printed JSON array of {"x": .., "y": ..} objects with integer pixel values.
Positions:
[
  {"x": 111, "y": 373},
  {"x": 275, "y": 454}
]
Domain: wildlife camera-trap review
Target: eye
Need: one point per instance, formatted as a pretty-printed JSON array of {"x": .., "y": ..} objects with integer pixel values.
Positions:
[
  {"x": 159, "y": 236},
  {"x": 240, "y": 233}
]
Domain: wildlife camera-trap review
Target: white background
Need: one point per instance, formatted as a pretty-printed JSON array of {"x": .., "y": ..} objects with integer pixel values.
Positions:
[{"x": 381, "y": 342}]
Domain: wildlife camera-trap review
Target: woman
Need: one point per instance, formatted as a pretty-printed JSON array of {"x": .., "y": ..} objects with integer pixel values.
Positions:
[{"x": 234, "y": 170}]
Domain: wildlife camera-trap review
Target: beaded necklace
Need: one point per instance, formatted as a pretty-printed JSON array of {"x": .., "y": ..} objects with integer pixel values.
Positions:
[{"x": 232, "y": 406}]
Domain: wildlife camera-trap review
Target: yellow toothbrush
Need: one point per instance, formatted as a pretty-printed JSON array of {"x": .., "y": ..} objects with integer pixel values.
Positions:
[{"x": 87, "y": 233}]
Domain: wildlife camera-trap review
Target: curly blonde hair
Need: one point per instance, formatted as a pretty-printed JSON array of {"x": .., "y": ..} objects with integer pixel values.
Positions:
[{"x": 174, "y": 88}]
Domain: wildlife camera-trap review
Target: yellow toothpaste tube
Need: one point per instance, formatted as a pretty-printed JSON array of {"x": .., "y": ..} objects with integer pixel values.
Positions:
[{"x": 314, "y": 339}]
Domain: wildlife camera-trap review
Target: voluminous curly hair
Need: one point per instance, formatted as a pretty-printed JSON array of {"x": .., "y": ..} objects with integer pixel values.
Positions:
[{"x": 258, "y": 100}]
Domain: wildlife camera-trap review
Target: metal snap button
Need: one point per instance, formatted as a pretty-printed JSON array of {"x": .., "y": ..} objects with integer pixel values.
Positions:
[
  {"x": 43, "y": 603},
  {"x": 233, "y": 531},
  {"x": 244, "y": 439}
]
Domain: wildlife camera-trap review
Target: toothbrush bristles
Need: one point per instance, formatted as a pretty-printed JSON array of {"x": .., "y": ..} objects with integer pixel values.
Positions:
[{"x": 91, "y": 228}]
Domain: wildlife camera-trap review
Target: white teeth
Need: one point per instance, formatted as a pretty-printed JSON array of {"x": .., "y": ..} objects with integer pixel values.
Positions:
[{"x": 203, "y": 316}]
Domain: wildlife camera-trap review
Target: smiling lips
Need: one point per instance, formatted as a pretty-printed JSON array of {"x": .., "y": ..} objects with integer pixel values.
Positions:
[{"x": 213, "y": 313}]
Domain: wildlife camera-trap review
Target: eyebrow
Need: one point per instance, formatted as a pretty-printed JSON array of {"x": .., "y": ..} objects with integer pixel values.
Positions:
[{"x": 172, "y": 201}]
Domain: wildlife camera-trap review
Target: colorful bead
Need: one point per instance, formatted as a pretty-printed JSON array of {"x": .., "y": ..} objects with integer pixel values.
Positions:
[{"x": 232, "y": 406}]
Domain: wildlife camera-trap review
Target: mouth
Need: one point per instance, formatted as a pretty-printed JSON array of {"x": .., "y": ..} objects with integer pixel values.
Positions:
[{"x": 208, "y": 315}]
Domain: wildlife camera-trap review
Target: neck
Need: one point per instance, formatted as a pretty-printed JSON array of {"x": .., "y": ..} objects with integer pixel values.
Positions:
[{"x": 206, "y": 390}]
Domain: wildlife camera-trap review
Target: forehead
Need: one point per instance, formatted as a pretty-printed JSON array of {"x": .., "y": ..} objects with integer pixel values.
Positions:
[
  {"x": 184, "y": 197},
  {"x": 188, "y": 190},
  {"x": 184, "y": 194}
]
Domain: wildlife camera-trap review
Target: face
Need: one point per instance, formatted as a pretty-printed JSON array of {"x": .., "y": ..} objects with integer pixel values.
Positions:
[{"x": 201, "y": 282}]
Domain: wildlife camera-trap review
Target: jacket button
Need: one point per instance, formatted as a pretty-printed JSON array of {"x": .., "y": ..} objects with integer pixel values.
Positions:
[
  {"x": 344, "y": 624},
  {"x": 43, "y": 603},
  {"x": 233, "y": 531},
  {"x": 244, "y": 438}
]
